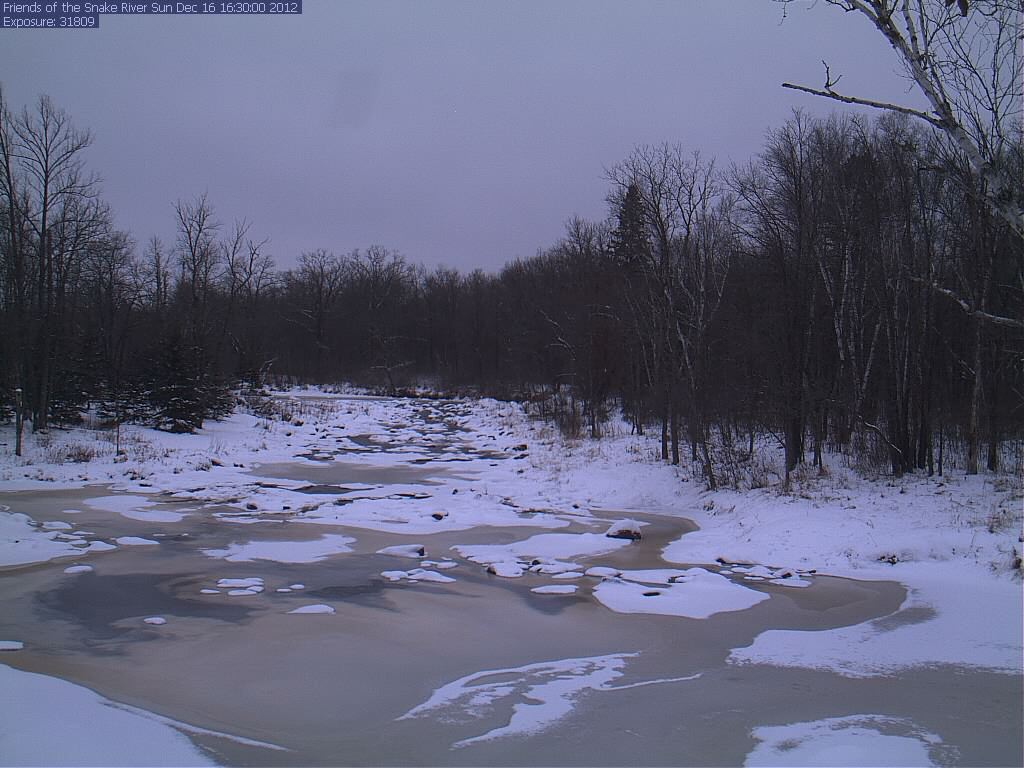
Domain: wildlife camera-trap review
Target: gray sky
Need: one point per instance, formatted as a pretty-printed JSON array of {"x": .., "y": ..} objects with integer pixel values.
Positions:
[{"x": 459, "y": 132}]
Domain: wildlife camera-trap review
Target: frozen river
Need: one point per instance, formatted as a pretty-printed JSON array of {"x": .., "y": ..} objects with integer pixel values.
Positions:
[{"x": 435, "y": 659}]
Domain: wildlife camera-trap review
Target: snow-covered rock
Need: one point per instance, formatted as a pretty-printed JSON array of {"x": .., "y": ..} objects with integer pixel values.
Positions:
[{"x": 624, "y": 529}]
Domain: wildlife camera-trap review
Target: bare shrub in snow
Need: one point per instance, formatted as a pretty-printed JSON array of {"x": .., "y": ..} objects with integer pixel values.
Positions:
[{"x": 71, "y": 453}]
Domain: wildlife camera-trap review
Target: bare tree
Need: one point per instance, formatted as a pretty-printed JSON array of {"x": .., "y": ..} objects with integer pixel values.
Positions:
[
  {"x": 198, "y": 258},
  {"x": 965, "y": 59},
  {"x": 156, "y": 272},
  {"x": 317, "y": 283},
  {"x": 53, "y": 218},
  {"x": 686, "y": 213}
]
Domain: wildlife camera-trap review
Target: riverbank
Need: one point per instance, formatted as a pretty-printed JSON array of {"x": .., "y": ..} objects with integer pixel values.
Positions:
[{"x": 223, "y": 534}]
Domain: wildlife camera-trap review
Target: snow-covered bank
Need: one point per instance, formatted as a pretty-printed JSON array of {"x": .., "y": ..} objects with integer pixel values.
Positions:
[
  {"x": 58, "y": 723},
  {"x": 952, "y": 615}
]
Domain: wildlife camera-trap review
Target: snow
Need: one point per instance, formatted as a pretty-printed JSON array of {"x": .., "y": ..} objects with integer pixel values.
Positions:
[
  {"x": 92, "y": 730},
  {"x": 404, "y": 550},
  {"x": 695, "y": 593},
  {"x": 284, "y": 551},
  {"x": 443, "y": 565},
  {"x": 505, "y": 569},
  {"x": 317, "y": 608},
  {"x": 552, "y": 545},
  {"x": 568, "y": 575},
  {"x": 862, "y": 740},
  {"x": 511, "y": 560},
  {"x": 250, "y": 581},
  {"x": 539, "y": 695},
  {"x": 938, "y": 623},
  {"x": 134, "y": 508},
  {"x": 21, "y": 543},
  {"x": 625, "y": 529},
  {"x": 950, "y": 540},
  {"x": 11, "y": 645},
  {"x": 555, "y": 589},
  {"x": 417, "y": 574},
  {"x": 57, "y": 525},
  {"x": 98, "y": 546},
  {"x": 135, "y": 541},
  {"x": 78, "y": 569},
  {"x": 550, "y": 689},
  {"x": 155, "y": 620}
]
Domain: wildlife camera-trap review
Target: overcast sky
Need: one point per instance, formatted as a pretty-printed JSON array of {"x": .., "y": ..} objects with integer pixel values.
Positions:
[{"x": 459, "y": 132}]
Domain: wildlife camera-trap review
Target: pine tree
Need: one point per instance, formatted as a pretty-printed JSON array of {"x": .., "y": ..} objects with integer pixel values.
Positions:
[
  {"x": 175, "y": 388},
  {"x": 629, "y": 238}
]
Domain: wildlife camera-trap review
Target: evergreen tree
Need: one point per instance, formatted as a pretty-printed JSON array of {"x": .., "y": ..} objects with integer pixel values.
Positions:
[
  {"x": 175, "y": 390},
  {"x": 629, "y": 238}
]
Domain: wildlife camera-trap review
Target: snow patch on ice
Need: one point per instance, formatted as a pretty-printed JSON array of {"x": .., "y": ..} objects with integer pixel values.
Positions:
[
  {"x": 134, "y": 507},
  {"x": 938, "y": 623},
  {"x": 317, "y": 608},
  {"x": 404, "y": 550},
  {"x": 22, "y": 543},
  {"x": 530, "y": 698},
  {"x": 99, "y": 546},
  {"x": 863, "y": 740},
  {"x": 417, "y": 574},
  {"x": 555, "y": 589},
  {"x": 135, "y": 541},
  {"x": 284, "y": 551},
  {"x": 695, "y": 593},
  {"x": 550, "y": 689}
]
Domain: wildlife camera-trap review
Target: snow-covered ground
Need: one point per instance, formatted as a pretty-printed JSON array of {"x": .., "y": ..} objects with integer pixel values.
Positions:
[
  {"x": 951, "y": 541},
  {"x": 55, "y": 722}
]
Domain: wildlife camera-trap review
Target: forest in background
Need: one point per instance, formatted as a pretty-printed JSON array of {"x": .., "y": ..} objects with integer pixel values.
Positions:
[{"x": 849, "y": 289}]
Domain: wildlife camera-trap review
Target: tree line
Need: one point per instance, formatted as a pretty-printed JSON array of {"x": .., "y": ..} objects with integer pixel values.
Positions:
[{"x": 850, "y": 288}]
